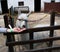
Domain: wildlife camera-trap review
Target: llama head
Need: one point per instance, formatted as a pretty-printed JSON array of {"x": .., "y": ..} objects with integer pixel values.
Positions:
[{"x": 21, "y": 23}]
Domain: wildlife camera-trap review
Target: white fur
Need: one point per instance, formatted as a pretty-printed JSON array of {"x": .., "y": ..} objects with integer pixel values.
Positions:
[{"x": 21, "y": 23}]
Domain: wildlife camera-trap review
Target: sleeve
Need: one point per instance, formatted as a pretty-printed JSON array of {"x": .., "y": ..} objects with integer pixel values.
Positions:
[{"x": 3, "y": 29}]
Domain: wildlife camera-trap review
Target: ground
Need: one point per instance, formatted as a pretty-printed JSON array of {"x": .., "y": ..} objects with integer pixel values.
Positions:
[{"x": 33, "y": 16}]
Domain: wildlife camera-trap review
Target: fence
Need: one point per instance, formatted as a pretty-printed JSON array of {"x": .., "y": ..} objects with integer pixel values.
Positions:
[{"x": 11, "y": 40}]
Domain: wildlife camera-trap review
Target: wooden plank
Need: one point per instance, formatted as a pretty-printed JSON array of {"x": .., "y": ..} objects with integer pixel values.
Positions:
[
  {"x": 36, "y": 29},
  {"x": 13, "y": 43},
  {"x": 44, "y": 49}
]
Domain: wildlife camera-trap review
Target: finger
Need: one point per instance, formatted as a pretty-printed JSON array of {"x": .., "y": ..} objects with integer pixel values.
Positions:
[{"x": 22, "y": 29}]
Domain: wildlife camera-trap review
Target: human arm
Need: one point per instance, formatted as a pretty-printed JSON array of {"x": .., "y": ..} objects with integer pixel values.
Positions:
[
  {"x": 3, "y": 29},
  {"x": 13, "y": 30}
]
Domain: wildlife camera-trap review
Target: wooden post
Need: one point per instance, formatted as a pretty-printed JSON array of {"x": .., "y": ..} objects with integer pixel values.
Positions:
[
  {"x": 52, "y": 21},
  {"x": 31, "y": 38},
  {"x": 9, "y": 37}
]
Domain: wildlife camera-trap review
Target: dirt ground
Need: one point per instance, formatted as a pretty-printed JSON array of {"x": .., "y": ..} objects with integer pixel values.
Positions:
[{"x": 33, "y": 16}]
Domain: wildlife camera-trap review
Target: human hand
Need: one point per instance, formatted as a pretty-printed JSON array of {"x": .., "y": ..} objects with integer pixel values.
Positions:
[{"x": 16, "y": 29}]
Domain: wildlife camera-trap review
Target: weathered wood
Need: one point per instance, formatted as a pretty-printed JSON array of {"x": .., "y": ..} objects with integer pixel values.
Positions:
[
  {"x": 52, "y": 21},
  {"x": 36, "y": 29},
  {"x": 13, "y": 43},
  {"x": 31, "y": 38},
  {"x": 44, "y": 49},
  {"x": 9, "y": 37}
]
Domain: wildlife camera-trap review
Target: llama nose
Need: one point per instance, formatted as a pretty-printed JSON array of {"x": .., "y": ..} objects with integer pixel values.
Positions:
[{"x": 24, "y": 26}]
